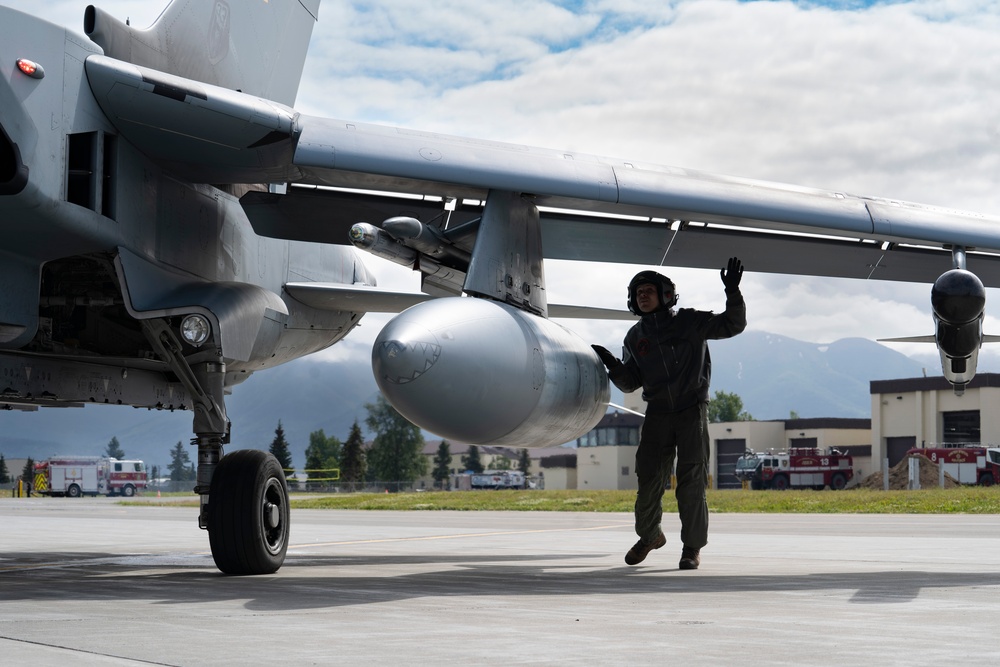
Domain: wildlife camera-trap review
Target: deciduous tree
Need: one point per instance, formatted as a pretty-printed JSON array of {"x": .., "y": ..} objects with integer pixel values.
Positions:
[
  {"x": 726, "y": 407},
  {"x": 322, "y": 458},
  {"x": 396, "y": 453}
]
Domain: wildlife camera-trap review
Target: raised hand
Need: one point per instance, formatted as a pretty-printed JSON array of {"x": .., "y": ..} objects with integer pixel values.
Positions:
[{"x": 732, "y": 274}]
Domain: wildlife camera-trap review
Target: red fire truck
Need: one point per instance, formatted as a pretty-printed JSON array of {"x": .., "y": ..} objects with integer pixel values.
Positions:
[
  {"x": 797, "y": 468},
  {"x": 75, "y": 476},
  {"x": 968, "y": 464}
]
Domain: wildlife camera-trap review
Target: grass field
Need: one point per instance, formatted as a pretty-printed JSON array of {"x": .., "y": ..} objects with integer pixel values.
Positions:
[{"x": 960, "y": 500}]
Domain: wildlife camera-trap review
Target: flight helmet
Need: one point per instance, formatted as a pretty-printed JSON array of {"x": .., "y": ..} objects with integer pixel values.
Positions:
[{"x": 667, "y": 291}]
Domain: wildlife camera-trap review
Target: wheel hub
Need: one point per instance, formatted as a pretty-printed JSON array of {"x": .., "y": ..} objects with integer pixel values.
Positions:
[{"x": 272, "y": 515}]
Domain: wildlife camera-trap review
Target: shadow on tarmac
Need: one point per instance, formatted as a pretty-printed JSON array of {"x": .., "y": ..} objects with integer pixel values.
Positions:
[{"x": 193, "y": 578}]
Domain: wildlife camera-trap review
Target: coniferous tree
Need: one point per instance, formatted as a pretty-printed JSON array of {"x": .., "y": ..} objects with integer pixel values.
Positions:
[
  {"x": 114, "y": 449},
  {"x": 322, "y": 458},
  {"x": 442, "y": 465},
  {"x": 396, "y": 453},
  {"x": 28, "y": 471},
  {"x": 524, "y": 461},
  {"x": 4, "y": 473},
  {"x": 352, "y": 457},
  {"x": 472, "y": 462},
  {"x": 279, "y": 448},
  {"x": 181, "y": 468}
]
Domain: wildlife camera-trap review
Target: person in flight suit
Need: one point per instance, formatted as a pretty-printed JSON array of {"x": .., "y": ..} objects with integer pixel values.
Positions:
[{"x": 666, "y": 353}]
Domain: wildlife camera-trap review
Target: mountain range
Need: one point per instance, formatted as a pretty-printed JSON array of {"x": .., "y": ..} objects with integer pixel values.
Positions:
[{"x": 773, "y": 375}]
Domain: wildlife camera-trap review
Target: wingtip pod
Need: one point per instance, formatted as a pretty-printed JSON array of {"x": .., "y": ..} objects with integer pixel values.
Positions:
[
  {"x": 958, "y": 296},
  {"x": 481, "y": 372},
  {"x": 958, "y": 300}
]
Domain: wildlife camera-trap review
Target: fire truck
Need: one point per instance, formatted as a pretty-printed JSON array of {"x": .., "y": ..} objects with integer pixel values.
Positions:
[
  {"x": 74, "y": 476},
  {"x": 797, "y": 468},
  {"x": 498, "y": 479},
  {"x": 967, "y": 464}
]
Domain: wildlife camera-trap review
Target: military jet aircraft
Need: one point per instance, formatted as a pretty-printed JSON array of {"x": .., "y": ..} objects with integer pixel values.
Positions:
[{"x": 172, "y": 225}]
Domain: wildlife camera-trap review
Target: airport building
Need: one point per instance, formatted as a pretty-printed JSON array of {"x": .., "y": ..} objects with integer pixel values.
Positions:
[
  {"x": 926, "y": 412},
  {"x": 906, "y": 413},
  {"x": 606, "y": 455}
]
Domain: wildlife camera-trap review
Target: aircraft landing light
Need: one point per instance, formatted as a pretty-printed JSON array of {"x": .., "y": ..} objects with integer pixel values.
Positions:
[{"x": 31, "y": 68}]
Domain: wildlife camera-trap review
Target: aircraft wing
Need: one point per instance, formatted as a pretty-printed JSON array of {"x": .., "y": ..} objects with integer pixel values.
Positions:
[
  {"x": 367, "y": 299},
  {"x": 592, "y": 208}
]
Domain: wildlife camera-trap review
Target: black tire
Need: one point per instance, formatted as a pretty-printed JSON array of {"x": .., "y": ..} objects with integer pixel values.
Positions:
[
  {"x": 838, "y": 481},
  {"x": 128, "y": 491},
  {"x": 73, "y": 491},
  {"x": 987, "y": 480},
  {"x": 248, "y": 517},
  {"x": 780, "y": 482}
]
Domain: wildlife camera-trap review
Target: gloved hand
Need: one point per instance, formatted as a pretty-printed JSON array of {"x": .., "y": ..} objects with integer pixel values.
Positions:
[
  {"x": 608, "y": 359},
  {"x": 732, "y": 274}
]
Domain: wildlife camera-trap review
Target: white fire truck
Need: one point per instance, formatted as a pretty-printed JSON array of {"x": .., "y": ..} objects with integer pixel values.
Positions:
[
  {"x": 498, "y": 479},
  {"x": 968, "y": 464},
  {"x": 797, "y": 468},
  {"x": 75, "y": 476}
]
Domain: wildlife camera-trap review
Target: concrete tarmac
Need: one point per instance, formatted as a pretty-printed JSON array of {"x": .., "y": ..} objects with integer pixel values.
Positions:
[{"x": 91, "y": 582}]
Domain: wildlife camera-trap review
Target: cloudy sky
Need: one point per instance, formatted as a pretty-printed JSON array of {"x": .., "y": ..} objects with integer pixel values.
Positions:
[{"x": 891, "y": 99}]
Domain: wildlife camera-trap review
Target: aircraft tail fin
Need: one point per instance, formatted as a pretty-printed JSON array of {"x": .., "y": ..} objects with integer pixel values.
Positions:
[{"x": 258, "y": 48}]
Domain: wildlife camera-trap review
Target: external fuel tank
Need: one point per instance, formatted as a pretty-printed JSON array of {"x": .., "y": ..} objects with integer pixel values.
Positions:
[{"x": 479, "y": 371}]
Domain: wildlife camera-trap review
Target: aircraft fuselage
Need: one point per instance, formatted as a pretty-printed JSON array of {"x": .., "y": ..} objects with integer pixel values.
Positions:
[{"x": 98, "y": 238}]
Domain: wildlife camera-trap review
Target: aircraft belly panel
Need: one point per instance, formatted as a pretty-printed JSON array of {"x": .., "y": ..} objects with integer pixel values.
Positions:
[{"x": 34, "y": 380}]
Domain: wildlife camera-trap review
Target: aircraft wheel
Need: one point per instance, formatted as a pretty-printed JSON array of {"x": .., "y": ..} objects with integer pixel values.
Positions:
[{"x": 248, "y": 517}]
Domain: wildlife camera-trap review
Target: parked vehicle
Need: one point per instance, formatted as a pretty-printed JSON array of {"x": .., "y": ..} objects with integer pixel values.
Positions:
[
  {"x": 797, "y": 468},
  {"x": 74, "y": 476}
]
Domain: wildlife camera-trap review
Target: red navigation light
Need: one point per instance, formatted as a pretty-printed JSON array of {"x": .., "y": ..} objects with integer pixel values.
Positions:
[{"x": 31, "y": 68}]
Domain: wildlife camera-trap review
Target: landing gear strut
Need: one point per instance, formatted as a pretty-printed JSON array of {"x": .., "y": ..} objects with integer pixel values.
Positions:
[{"x": 244, "y": 496}]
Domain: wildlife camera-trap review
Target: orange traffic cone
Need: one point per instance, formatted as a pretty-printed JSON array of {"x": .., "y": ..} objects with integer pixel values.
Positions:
[{"x": 157, "y": 493}]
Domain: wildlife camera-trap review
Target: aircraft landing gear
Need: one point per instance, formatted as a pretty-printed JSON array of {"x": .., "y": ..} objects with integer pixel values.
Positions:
[
  {"x": 244, "y": 496},
  {"x": 248, "y": 517}
]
